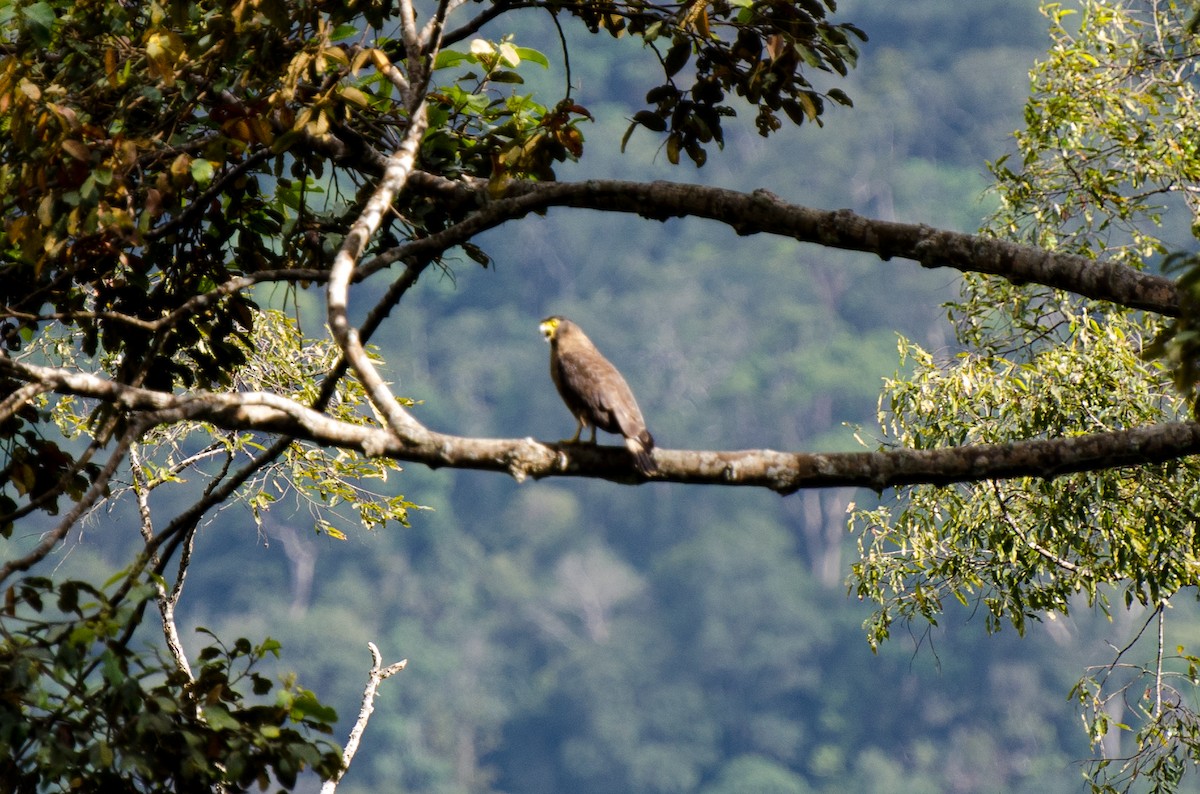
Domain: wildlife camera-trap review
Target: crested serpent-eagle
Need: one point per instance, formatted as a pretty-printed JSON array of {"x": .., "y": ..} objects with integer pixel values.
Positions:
[{"x": 595, "y": 392}]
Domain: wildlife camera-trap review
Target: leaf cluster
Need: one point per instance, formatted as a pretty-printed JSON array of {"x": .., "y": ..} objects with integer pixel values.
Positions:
[
  {"x": 757, "y": 51},
  {"x": 160, "y": 158},
  {"x": 1105, "y": 160},
  {"x": 478, "y": 130},
  {"x": 124, "y": 139},
  {"x": 1178, "y": 343},
  {"x": 34, "y": 467},
  {"x": 1118, "y": 92},
  {"x": 333, "y": 487},
  {"x": 1026, "y": 547},
  {"x": 154, "y": 152},
  {"x": 1168, "y": 731},
  {"x": 81, "y": 707}
]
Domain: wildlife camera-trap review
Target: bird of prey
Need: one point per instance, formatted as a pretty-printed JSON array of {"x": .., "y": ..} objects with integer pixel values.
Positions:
[{"x": 595, "y": 392}]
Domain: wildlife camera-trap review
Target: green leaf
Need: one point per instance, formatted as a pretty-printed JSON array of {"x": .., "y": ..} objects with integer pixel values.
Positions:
[
  {"x": 306, "y": 707},
  {"x": 448, "y": 58},
  {"x": 509, "y": 55},
  {"x": 270, "y": 646},
  {"x": 677, "y": 57},
  {"x": 40, "y": 18},
  {"x": 840, "y": 96},
  {"x": 529, "y": 54},
  {"x": 219, "y": 718},
  {"x": 355, "y": 96},
  {"x": 68, "y": 597},
  {"x": 477, "y": 254},
  {"x": 202, "y": 171}
]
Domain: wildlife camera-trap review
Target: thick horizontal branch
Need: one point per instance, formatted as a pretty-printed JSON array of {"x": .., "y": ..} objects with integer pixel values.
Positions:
[
  {"x": 784, "y": 472},
  {"x": 747, "y": 213},
  {"x": 762, "y": 212}
]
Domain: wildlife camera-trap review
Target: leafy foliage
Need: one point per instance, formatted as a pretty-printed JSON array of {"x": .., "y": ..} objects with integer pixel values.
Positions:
[
  {"x": 480, "y": 131},
  {"x": 82, "y": 708},
  {"x": 172, "y": 148},
  {"x": 1102, "y": 160},
  {"x": 1026, "y": 547},
  {"x": 1178, "y": 342},
  {"x": 162, "y": 158},
  {"x": 752, "y": 49}
]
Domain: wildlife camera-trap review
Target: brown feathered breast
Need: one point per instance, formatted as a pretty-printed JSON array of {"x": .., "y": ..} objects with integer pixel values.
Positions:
[{"x": 594, "y": 390}]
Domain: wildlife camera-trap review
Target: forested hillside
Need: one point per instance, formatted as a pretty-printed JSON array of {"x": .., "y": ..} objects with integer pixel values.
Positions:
[{"x": 575, "y": 635}]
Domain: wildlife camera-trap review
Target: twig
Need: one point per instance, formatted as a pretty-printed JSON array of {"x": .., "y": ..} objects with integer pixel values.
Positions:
[
  {"x": 1158, "y": 670},
  {"x": 166, "y": 601},
  {"x": 494, "y": 10},
  {"x": 374, "y": 679}
]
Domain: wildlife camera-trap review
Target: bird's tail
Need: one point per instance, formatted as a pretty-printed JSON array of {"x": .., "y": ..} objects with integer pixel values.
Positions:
[{"x": 643, "y": 458}]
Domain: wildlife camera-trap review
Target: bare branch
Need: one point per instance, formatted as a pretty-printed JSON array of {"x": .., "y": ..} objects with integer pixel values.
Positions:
[
  {"x": 745, "y": 213},
  {"x": 761, "y": 212},
  {"x": 400, "y": 165},
  {"x": 116, "y": 317},
  {"x": 431, "y": 34},
  {"x": 395, "y": 176},
  {"x": 374, "y": 678},
  {"x": 166, "y": 601},
  {"x": 421, "y": 47},
  {"x": 491, "y": 12},
  {"x": 784, "y": 472},
  {"x": 1158, "y": 661},
  {"x": 412, "y": 36}
]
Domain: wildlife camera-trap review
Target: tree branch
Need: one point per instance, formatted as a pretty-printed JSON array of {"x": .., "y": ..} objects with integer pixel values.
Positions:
[
  {"x": 761, "y": 212},
  {"x": 374, "y": 679},
  {"x": 747, "y": 213},
  {"x": 477, "y": 23},
  {"x": 337, "y": 291},
  {"x": 167, "y": 601},
  {"x": 783, "y": 472},
  {"x": 399, "y": 167}
]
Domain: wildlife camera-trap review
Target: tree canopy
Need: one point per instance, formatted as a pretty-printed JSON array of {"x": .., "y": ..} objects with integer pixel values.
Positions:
[{"x": 166, "y": 163}]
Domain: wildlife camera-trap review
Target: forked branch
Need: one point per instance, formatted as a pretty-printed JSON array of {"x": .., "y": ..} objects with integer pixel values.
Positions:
[
  {"x": 783, "y": 472},
  {"x": 376, "y": 676}
]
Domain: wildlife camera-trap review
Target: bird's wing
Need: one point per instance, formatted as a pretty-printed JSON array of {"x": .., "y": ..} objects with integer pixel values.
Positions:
[
  {"x": 617, "y": 403},
  {"x": 593, "y": 384}
]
